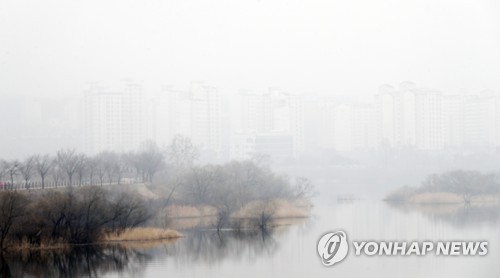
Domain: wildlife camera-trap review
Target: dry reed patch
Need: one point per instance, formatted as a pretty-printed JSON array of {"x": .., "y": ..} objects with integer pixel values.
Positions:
[
  {"x": 46, "y": 244},
  {"x": 436, "y": 198},
  {"x": 492, "y": 198},
  {"x": 174, "y": 211},
  {"x": 144, "y": 245},
  {"x": 278, "y": 208},
  {"x": 287, "y": 209},
  {"x": 142, "y": 234}
]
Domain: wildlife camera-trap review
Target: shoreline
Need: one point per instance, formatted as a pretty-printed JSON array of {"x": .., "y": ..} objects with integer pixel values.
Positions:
[
  {"x": 127, "y": 236},
  {"x": 402, "y": 196},
  {"x": 124, "y": 237}
]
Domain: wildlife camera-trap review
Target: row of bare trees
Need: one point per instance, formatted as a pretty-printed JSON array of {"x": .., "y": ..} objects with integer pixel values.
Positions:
[{"x": 68, "y": 167}]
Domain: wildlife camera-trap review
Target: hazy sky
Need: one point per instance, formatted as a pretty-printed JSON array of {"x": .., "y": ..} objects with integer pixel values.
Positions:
[{"x": 55, "y": 47}]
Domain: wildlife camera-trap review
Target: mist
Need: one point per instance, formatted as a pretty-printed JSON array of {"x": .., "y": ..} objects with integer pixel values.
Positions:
[{"x": 227, "y": 121}]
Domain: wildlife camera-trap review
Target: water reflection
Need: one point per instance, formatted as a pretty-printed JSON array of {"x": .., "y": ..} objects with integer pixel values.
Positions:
[
  {"x": 212, "y": 247},
  {"x": 457, "y": 215},
  {"x": 80, "y": 261},
  {"x": 198, "y": 246},
  {"x": 288, "y": 250}
]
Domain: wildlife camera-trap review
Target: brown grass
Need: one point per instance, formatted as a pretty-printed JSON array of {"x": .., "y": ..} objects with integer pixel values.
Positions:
[
  {"x": 144, "y": 245},
  {"x": 279, "y": 208},
  {"x": 180, "y": 211},
  {"x": 142, "y": 234},
  {"x": 288, "y": 209},
  {"x": 450, "y": 198},
  {"x": 491, "y": 198},
  {"x": 436, "y": 198},
  {"x": 192, "y": 222},
  {"x": 44, "y": 245}
]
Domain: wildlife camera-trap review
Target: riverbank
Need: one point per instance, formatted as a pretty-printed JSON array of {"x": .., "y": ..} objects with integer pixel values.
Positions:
[
  {"x": 281, "y": 212},
  {"x": 140, "y": 234},
  {"x": 281, "y": 208},
  {"x": 410, "y": 195},
  {"x": 131, "y": 235}
]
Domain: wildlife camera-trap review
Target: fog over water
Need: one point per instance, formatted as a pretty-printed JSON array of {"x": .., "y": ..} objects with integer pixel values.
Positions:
[{"x": 356, "y": 101}]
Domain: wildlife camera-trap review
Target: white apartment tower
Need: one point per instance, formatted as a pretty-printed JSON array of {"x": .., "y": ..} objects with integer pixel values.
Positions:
[
  {"x": 170, "y": 115},
  {"x": 482, "y": 120},
  {"x": 272, "y": 117},
  {"x": 453, "y": 120},
  {"x": 206, "y": 124},
  {"x": 429, "y": 120},
  {"x": 346, "y": 126},
  {"x": 195, "y": 113},
  {"x": 114, "y": 120},
  {"x": 409, "y": 117}
]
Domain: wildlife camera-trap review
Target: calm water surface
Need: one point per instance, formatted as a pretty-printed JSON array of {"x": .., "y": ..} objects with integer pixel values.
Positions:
[{"x": 290, "y": 251}]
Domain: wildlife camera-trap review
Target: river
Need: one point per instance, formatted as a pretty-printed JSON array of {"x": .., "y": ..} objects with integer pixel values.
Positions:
[{"x": 290, "y": 250}]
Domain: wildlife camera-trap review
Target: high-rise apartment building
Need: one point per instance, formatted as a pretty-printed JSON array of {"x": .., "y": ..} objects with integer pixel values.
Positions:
[
  {"x": 269, "y": 119},
  {"x": 482, "y": 120},
  {"x": 345, "y": 125},
  {"x": 453, "y": 120},
  {"x": 409, "y": 117},
  {"x": 114, "y": 119},
  {"x": 195, "y": 113}
]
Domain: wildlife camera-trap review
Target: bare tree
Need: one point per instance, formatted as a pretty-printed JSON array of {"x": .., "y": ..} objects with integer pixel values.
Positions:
[
  {"x": 12, "y": 207},
  {"x": 111, "y": 164},
  {"x": 12, "y": 169},
  {"x": 265, "y": 216},
  {"x": 149, "y": 160},
  {"x": 56, "y": 173},
  {"x": 261, "y": 160},
  {"x": 121, "y": 167},
  {"x": 26, "y": 169},
  {"x": 92, "y": 164},
  {"x": 464, "y": 183},
  {"x": 198, "y": 186},
  {"x": 304, "y": 188},
  {"x": 107, "y": 166},
  {"x": 100, "y": 168},
  {"x": 43, "y": 165},
  {"x": 181, "y": 152},
  {"x": 3, "y": 171},
  {"x": 127, "y": 210},
  {"x": 69, "y": 161},
  {"x": 81, "y": 168}
]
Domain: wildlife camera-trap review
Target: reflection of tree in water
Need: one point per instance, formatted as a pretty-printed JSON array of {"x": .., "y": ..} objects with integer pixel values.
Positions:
[
  {"x": 82, "y": 261},
  {"x": 458, "y": 215},
  {"x": 466, "y": 216},
  {"x": 198, "y": 245},
  {"x": 212, "y": 247}
]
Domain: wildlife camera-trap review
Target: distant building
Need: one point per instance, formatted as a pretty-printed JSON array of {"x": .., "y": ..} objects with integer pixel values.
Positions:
[
  {"x": 242, "y": 145},
  {"x": 429, "y": 119},
  {"x": 195, "y": 113},
  {"x": 453, "y": 120},
  {"x": 114, "y": 119},
  {"x": 482, "y": 120},
  {"x": 279, "y": 146},
  {"x": 267, "y": 119},
  {"x": 409, "y": 117},
  {"x": 340, "y": 123}
]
